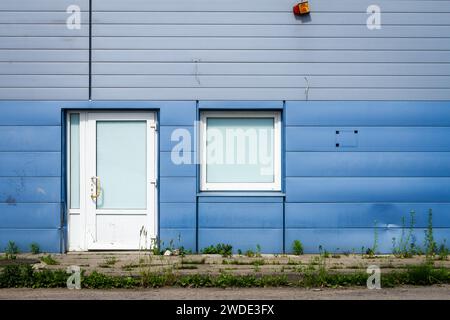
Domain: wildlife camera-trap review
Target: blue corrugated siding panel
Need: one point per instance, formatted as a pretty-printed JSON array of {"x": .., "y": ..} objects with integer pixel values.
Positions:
[
  {"x": 30, "y": 138},
  {"x": 241, "y": 215},
  {"x": 370, "y": 189},
  {"x": 30, "y": 189},
  {"x": 270, "y": 240},
  {"x": 178, "y": 183},
  {"x": 178, "y": 237},
  {"x": 30, "y": 175},
  {"x": 177, "y": 215},
  {"x": 368, "y": 113},
  {"x": 334, "y": 195},
  {"x": 170, "y": 169},
  {"x": 230, "y": 50},
  {"x": 29, "y": 164},
  {"x": 396, "y": 162},
  {"x": 49, "y": 240},
  {"x": 40, "y": 57},
  {"x": 355, "y": 240},
  {"x": 368, "y": 164},
  {"x": 29, "y": 216},
  {"x": 364, "y": 215}
]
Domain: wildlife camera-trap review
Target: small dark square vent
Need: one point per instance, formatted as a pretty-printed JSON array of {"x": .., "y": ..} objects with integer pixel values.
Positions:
[{"x": 347, "y": 138}]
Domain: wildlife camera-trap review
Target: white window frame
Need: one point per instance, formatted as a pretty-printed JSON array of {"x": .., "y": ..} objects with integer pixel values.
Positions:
[
  {"x": 76, "y": 242},
  {"x": 241, "y": 186}
]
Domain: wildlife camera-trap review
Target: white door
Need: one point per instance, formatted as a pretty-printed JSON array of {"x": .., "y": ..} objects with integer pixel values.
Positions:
[{"x": 120, "y": 180}]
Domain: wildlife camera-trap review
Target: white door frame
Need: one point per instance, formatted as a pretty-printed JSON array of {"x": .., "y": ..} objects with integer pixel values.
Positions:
[{"x": 81, "y": 222}]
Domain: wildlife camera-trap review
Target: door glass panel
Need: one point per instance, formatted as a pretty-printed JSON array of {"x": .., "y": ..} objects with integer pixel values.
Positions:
[
  {"x": 75, "y": 161},
  {"x": 122, "y": 164}
]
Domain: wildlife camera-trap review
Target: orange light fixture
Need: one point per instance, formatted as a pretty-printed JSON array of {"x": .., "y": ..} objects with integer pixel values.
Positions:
[{"x": 301, "y": 8}]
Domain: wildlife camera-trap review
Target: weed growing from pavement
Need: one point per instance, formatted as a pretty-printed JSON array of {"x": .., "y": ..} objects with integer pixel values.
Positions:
[
  {"x": 249, "y": 253},
  {"x": 443, "y": 251},
  {"x": 35, "y": 248},
  {"x": 11, "y": 250},
  {"x": 371, "y": 252},
  {"x": 226, "y": 250},
  {"x": 406, "y": 246},
  {"x": 297, "y": 247},
  {"x": 314, "y": 274},
  {"x": 108, "y": 262},
  {"x": 48, "y": 259},
  {"x": 430, "y": 244},
  {"x": 258, "y": 251}
]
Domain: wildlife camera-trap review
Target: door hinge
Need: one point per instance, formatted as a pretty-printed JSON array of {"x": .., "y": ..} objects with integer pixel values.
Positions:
[
  {"x": 154, "y": 126},
  {"x": 155, "y": 183}
]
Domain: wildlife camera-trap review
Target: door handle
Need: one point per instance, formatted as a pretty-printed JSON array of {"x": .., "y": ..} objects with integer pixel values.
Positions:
[{"x": 95, "y": 183}]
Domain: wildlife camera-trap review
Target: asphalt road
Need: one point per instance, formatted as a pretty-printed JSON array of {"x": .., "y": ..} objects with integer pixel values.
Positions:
[{"x": 400, "y": 293}]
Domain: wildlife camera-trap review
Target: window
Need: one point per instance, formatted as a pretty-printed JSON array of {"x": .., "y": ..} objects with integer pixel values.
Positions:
[
  {"x": 240, "y": 151},
  {"x": 74, "y": 160}
]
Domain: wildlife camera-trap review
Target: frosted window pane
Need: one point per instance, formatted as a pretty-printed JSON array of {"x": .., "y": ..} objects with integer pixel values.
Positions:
[
  {"x": 240, "y": 150},
  {"x": 75, "y": 161},
  {"x": 122, "y": 164}
]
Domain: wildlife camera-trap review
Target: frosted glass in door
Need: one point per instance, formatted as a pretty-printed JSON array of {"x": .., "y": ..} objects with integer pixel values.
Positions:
[{"x": 122, "y": 164}]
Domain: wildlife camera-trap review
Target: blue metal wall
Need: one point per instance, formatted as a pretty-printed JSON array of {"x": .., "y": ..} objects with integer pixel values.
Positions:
[
  {"x": 219, "y": 50},
  {"x": 397, "y": 161},
  {"x": 30, "y": 174}
]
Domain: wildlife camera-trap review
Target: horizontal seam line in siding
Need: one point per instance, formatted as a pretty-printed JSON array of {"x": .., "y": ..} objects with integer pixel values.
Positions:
[
  {"x": 155, "y": 60},
  {"x": 240, "y": 228},
  {"x": 39, "y": 87},
  {"x": 360, "y": 151},
  {"x": 375, "y": 177},
  {"x": 177, "y": 202},
  {"x": 43, "y": 36},
  {"x": 252, "y": 11},
  {"x": 30, "y": 176},
  {"x": 386, "y": 203},
  {"x": 364, "y": 126},
  {"x": 252, "y": 24},
  {"x": 45, "y": 49},
  {"x": 31, "y": 125},
  {"x": 234, "y": 74},
  {"x": 176, "y": 23},
  {"x": 253, "y": 62},
  {"x": 50, "y": 62},
  {"x": 241, "y": 87},
  {"x": 353, "y": 202},
  {"x": 29, "y": 229},
  {"x": 350, "y": 151},
  {"x": 368, "y": 177},
  {"x": 272, "y": 76},
  {"x": 235, "y": 37},
  {"x": 27, "y": 151},
  {"x": 236, "y": 49},
  {"x": 363, "y": 227},
  {"x": 34, "y": 203},
  {"x": 246, "y": 62},
  {"x": 178, "y": 176}
]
